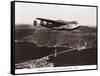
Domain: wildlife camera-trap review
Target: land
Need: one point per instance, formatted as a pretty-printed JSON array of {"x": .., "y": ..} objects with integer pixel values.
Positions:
[{"x": 32, "y": 44}]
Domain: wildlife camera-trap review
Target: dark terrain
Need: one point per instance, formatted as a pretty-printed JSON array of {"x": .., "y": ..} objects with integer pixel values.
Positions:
[{"x": 33, "y": 44}]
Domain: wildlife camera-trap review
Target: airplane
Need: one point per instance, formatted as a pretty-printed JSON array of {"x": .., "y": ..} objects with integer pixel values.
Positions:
[{"x": 58, "y": 24}]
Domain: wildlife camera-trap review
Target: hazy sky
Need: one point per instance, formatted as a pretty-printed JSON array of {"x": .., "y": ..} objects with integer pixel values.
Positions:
[{"x": 25, "y": 13}]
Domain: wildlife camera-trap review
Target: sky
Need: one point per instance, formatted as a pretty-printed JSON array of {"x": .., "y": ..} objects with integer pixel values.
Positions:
[{"x": 26, "y": 13}]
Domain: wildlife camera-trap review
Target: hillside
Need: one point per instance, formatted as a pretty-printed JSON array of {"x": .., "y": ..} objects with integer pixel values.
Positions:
[
  {"x": 32, "y": 45},
  {"x": 46, "y": 37}
]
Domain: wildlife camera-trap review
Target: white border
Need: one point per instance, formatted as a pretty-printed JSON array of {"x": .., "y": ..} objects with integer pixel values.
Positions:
[{"x": 53, "y": 69}]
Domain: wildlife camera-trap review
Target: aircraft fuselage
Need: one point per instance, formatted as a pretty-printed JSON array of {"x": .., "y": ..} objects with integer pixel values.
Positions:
[{"x": 58, "y": 24}]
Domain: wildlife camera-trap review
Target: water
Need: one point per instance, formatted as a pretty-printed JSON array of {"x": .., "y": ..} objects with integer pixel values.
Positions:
[
  {"x": 28, "y": 51},
  {"x": 31, "y": 45}
]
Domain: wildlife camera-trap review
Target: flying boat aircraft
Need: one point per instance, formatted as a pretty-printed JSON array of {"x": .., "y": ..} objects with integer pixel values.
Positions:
[{"x": 58, "y": 24}]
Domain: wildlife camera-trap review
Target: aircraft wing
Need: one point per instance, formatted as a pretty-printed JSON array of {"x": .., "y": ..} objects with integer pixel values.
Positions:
[{"x": 51, "y": 21}]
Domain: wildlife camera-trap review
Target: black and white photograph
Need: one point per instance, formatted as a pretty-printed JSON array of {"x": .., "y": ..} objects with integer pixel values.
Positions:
[{"x": 54, "y": 37}]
